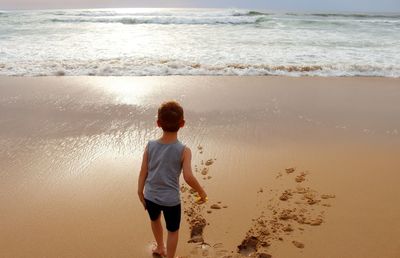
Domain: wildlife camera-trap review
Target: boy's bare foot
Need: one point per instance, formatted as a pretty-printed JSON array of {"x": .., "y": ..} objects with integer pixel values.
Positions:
[{"x": 159, "y": 251}]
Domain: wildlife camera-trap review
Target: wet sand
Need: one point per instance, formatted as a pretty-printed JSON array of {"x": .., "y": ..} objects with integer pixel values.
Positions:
[{"x": 294, "y": 167}]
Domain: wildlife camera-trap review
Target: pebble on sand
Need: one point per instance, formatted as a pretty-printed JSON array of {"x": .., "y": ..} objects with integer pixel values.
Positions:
[
  {"x": 298, "y": 244},
  {"x": 209, "y": 162},
  {"x": 316, "y": 222},
  {"x": 215, "y": 207},
  {"x": 328, "y": 196},
  {"x": 290, "y": 170}
]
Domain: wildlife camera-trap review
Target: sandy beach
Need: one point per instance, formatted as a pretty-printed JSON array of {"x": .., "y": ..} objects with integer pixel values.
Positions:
[{"x": 294, "y": 167}]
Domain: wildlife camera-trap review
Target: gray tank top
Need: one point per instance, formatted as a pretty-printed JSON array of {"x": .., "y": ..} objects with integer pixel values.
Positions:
[{"x": 164, "y": 169}]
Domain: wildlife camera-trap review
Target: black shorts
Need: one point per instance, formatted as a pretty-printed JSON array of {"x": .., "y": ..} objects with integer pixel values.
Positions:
[{"x": 172, "y": 215}]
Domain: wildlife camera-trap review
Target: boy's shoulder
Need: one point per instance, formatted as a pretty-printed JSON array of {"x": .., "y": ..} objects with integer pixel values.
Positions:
[
  {"x": 157, "y": 142},
  {"x": 151, "y": 142}
]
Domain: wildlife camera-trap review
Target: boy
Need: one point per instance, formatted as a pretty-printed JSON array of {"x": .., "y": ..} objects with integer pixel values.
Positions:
[{"x": 163, "y": 161}]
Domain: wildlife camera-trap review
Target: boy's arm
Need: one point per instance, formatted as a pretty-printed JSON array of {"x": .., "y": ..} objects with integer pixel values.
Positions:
[
  {"x": 188, "y": 174},
  {"x": 142, "y": 177}
]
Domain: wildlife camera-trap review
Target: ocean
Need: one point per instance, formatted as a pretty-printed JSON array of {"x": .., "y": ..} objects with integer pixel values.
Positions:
[{"x": 143, "y": 42}]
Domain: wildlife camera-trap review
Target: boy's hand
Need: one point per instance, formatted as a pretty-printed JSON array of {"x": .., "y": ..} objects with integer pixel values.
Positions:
[
  {"x": 202, "y": 198},
  {"x": 141, "y": 197}
]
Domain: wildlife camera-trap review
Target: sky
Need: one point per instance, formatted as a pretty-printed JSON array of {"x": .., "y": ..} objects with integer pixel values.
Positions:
[{"x": 277, "y": 5}]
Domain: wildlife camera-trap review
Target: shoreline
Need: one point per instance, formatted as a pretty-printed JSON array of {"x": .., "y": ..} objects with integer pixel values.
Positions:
[
  {"x": 198, "y": 76},
  {"x": 194, "y": 76}
]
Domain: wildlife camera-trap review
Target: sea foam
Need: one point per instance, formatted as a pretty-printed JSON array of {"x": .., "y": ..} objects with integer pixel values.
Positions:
[{"x": 198, "y": 42}]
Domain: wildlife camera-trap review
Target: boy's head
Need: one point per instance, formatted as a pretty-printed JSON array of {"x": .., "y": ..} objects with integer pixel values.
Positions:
[{"x": 170, "y": 116}]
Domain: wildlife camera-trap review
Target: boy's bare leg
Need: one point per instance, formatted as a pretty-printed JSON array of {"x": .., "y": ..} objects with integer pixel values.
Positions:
[
  {"x": 172, "y": 243},
  {"x": 158, "y": 235}
]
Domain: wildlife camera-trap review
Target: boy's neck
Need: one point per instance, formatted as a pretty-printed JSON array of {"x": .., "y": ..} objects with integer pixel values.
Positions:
[{"x": 169, "y": 137}]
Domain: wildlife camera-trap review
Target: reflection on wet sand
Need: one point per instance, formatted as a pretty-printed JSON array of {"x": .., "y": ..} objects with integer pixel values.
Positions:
[{"x": 71, "y": 148}]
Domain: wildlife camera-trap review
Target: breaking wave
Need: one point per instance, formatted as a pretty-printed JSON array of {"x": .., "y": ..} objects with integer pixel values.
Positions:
[
  {"x": 165, "y": 67},
  {"x": 164, "y": 20},
  {"x": 393, "y": 16},
  {"x": 233, "y": 18},
  {"x": 154, "y": 17},
  {"x": 251, "y": 13},
  {"x": 345, "y": 15}
]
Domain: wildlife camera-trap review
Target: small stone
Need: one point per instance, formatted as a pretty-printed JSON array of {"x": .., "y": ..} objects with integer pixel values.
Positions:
[
  {"x": 328, "y": 196},
  {"x": 285, "y": 195},
  {"x": 215, "y": 207},
  {"x": 298, "y": 244},
  {"x": 316, "y": 222},
  {"x": 209, "y": 162},
  {"x": 290, "y": 170},
  {"x": 208, "y": 211},
  {"x": 300, "y": 178}
]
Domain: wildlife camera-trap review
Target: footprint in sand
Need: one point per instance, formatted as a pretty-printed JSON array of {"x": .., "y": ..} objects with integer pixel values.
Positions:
[
  {"x": 277, "y": 226},
  {"x": 280, "y": 221},
  {"x": 195, "y": 213},
  {"x": 249, "y": 245},
  {"x": 197, "y": 226}
]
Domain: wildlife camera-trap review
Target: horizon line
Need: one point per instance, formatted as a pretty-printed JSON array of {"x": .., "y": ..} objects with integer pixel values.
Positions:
[{"x": 206, "y": 8}]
